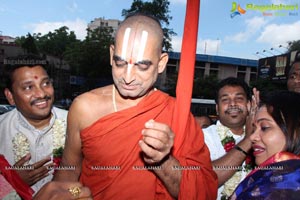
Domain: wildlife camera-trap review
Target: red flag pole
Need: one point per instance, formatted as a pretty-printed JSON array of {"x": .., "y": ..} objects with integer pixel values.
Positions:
[{"x": 185, "y": 80}]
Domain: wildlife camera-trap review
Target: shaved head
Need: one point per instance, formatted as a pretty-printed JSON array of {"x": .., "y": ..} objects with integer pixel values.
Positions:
[{"x": 136, "y": 27}]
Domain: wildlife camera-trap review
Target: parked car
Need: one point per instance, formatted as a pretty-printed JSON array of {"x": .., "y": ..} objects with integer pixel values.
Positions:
[{"x": 5, "y": 108}]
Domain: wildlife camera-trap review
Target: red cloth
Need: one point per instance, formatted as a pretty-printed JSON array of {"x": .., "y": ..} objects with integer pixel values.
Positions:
[
  {"x": 190, "y": 186},
  {"x": 14, "y": 180},
  {"x": 112, "y": 141},
  {"x": 185, "y": 80}
]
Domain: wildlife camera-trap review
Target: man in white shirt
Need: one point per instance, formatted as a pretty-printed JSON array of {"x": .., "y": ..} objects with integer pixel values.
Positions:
[
  {"x": 34, "y": 130},
  {"x": 227, "y": 140}
]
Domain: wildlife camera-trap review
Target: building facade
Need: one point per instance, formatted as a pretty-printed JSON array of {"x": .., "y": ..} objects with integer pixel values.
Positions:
[
  {"x": 102, "y": 22},
  {"x": 219, "y": 66}
]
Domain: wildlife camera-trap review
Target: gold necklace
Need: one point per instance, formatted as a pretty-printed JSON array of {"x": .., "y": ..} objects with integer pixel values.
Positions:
[{"x": 114, "y": 98}]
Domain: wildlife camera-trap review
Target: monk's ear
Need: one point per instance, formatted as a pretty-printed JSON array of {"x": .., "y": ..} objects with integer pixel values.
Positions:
[
  {"x": 112, "y": 52},
  {"x": 163, "y": 62},
  {"x": 9, "y": 96}
]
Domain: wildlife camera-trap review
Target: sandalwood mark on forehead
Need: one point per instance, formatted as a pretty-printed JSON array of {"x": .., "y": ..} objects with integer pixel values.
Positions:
[
  {"x": 132, "y": 33},
  {"x": 141, "y": 47},
  {"x": 125, "y": 43}
]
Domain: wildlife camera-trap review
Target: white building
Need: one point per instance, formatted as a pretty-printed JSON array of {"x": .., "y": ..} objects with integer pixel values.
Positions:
[
  {"x": 6, "y": 39},
  {"x": 101, "y": 22}
]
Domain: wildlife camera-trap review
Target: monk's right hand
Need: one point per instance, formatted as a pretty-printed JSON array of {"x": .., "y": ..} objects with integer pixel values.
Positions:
[
  {"x": 31, "y": 174},
  {"x": 55, "y": 190},
  {"x": 157, "y": 142}
]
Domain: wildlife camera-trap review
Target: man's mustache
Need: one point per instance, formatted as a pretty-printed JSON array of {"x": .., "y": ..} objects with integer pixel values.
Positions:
[
  {"x": 234, "y": 109},
  {"x": 46, "y": 98}
]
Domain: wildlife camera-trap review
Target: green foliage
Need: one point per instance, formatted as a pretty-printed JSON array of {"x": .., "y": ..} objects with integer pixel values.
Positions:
[
  {"x": 73, "y": 55},
  {"x": 91, "y": 57},
  {"x": 88, "y": 58},
  {"x": 55, "y": 43},
  {"x": 58, "y": 152},
  {"x": 158, "y": 9},
  {"x": 294, "y": 45},
  {"x": 171, "y": 82},
  {"x": 205, "y": 87},
  {"x": 28, "y": 43},
  {"x": 202, "y": 88},
  {"x": 96, "y": 52}
]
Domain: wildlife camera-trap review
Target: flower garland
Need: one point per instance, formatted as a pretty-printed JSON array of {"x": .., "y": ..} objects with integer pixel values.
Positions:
[
  {"x": 21, "y": 145},
  {"x": 228, "y": 143},
  {"x": 59, "y": 135}
]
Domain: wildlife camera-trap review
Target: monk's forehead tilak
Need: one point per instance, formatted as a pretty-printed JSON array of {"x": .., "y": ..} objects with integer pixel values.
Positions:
[{"x": 133, "y": 44}]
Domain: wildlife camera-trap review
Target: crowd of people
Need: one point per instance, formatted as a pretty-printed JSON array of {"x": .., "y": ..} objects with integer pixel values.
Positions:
[{"x": 120, "y": 141}]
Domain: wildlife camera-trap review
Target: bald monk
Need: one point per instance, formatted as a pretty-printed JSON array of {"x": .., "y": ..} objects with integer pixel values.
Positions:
[{"x": 120, "y": 136}]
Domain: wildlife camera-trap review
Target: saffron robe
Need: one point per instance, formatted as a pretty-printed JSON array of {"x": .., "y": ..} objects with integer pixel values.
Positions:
[{"x": 113, "y": 166}]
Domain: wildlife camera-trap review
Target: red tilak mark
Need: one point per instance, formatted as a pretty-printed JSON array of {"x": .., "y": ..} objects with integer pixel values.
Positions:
[
  {"x": 130, "y": 61},
  {"x": 35, "y": 77}
]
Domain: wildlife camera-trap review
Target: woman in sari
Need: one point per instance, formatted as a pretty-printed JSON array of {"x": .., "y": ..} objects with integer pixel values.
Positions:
[{"x": 276, "y": 146}]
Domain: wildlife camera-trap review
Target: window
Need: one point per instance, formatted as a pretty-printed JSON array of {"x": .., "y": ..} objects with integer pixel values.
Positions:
[
  {"x": 241, "y": 68},
  {"x": 213, "y": 73},
  {"x": 214, "y": 66},
  {"x": 253, "y": 69}
]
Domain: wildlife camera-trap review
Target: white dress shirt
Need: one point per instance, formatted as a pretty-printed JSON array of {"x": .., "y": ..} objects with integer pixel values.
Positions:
[{"x": 213, "y": 142}]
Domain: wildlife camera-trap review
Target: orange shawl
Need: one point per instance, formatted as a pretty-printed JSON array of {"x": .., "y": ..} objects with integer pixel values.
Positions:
[{"x": 113, "y": 168}]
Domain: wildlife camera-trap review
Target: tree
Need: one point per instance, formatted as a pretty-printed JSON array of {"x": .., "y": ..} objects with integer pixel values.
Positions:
[
  {"x": 28, "y": 43},
  {"x": 96, "y": 52},
  {"x": 205, "y": 87},
  {"x": 158, "y": 9},
  {"x": 294, "y": 45},
  {"x": 55, "y": 43},
  {"x": 90, "y": 58}
]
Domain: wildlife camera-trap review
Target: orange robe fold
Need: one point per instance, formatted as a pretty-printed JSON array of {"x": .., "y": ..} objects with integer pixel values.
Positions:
[{"x": 114, "y": 169}]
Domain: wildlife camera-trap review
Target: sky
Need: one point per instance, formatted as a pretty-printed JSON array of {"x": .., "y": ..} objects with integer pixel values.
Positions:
[{"x": 250, "y": 34}]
